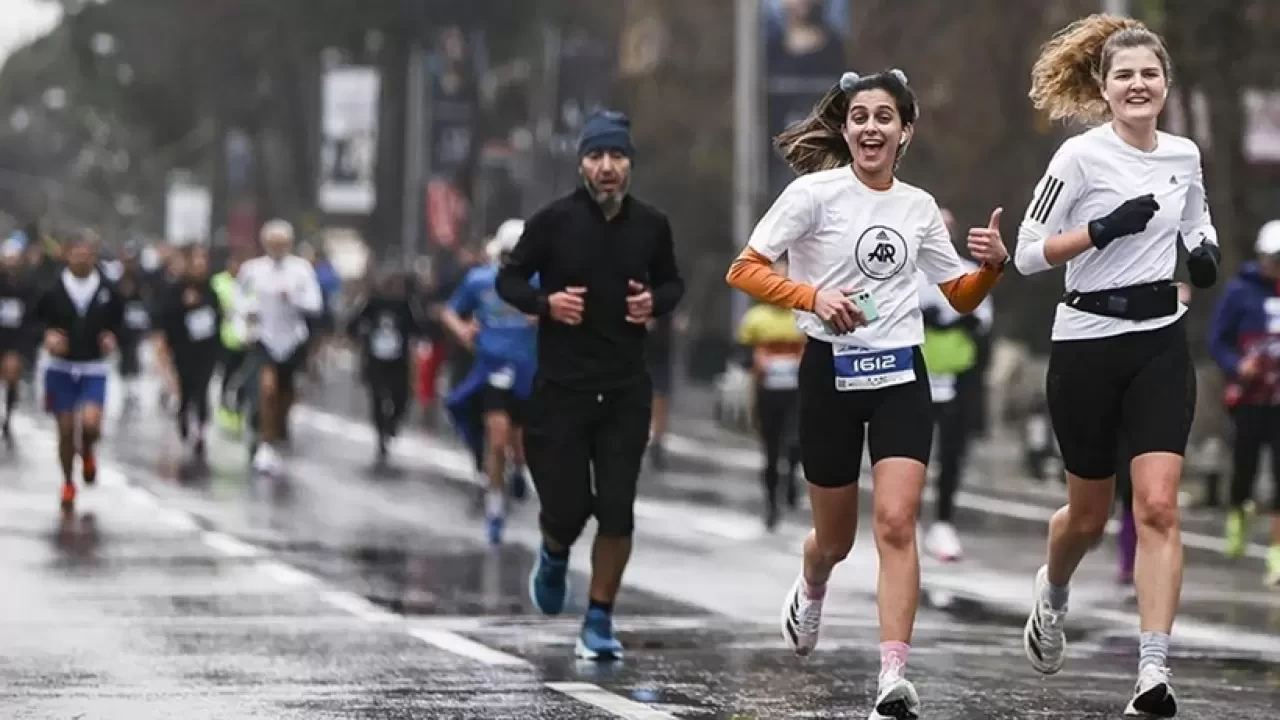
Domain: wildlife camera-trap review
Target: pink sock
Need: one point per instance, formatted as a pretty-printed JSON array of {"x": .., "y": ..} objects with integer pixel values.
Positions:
[{"x": 893, "y": 658}]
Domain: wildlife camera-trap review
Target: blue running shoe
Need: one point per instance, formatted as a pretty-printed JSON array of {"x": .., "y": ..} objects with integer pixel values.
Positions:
[
  {"x": 493, "y": 529},
  {"x": 596, "y": 641},
  {"x": 549, "y": 583}
]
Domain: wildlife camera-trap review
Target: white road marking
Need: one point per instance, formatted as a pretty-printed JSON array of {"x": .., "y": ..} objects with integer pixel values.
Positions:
[
  {"x": 228, "y": 545},
  {"x": 358, "y": 606},
  {"x": 614, "y": 704},
  {"x": 459, "y": 645},
  {"x": 287, "y": 574}
]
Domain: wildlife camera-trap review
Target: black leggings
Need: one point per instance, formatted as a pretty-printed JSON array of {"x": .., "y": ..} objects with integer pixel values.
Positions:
[
  {"x": 388, "y": 396},
  {"x": 194, "y": 375},
  {"x": 1255, "y": 426},
  {"x": 779, "y": 424},
  {"x": 953, "y": 445}
]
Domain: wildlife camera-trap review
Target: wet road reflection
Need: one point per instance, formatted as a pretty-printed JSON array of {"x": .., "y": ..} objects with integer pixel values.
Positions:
[
  {"x": 77, "y": 538},
  {"x": 246, "y": 603}
]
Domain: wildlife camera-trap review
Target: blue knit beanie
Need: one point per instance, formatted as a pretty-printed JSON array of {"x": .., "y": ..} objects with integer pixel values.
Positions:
[{"x": 606, "y": 130}]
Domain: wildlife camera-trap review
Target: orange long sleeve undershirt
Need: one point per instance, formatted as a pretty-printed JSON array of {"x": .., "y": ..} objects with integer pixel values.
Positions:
[
  {"x": 967, "y": 292},
  {"x": 753, "y": 274}
]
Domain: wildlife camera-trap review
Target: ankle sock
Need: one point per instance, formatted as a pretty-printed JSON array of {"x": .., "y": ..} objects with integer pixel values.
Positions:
[
  {"x": 893, "y": 659},
  {"x": 1153, "y": 650}
]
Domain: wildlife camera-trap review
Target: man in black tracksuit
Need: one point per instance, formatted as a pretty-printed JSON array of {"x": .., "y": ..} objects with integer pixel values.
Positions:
[
  {"x": 384, "y": 324},
  {"x": 606, "y": 266},
  {"x": 189, "y": 326},
  {"x": 137, "y": 323}
]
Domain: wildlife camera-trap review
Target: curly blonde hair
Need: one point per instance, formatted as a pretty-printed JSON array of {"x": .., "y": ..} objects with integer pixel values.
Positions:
[{"x": 1067, "y": 78}]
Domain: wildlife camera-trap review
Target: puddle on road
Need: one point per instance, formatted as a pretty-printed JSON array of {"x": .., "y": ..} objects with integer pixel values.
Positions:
[{"x": 450, "y": 578}]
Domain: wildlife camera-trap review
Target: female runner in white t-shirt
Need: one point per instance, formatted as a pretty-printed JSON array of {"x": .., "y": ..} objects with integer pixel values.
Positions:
[
  {"x": 1112, "y": 207},
  {"x": 850, "y": 229}
]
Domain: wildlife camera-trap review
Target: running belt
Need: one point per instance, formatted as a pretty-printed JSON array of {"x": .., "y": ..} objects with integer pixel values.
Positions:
[{"x": 1135, "y": 302}]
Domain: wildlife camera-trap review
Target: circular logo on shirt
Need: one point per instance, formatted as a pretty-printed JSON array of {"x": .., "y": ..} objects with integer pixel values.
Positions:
[{"x": 881, "y": 252}]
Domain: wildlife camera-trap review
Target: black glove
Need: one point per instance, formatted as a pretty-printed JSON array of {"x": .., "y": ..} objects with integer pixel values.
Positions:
[
  {"x": 1202, "y": 265},
  {"x": 1129, "y": 219}
]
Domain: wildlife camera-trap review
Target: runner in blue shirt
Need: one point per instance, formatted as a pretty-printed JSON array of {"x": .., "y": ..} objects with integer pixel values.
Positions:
[{"x": 488, "y": 407}]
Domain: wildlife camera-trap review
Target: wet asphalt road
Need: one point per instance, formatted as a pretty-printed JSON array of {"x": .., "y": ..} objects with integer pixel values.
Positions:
[{"x": 341, "y": 593}]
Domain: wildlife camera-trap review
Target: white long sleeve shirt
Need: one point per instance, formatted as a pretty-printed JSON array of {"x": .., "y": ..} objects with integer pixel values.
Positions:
[
  {"x": 1091, "y": 175},
  {"x": 282, "y": 294}
]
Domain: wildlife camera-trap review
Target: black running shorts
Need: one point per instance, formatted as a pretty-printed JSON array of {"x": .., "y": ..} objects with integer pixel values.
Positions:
[
  {"x": 285, "y": 369},
  {"x": 1140, "y": 386},
  {"x": 894, "y": 422},
  {"x": 584, "y": 451},
  {"x": 494, "y": 399}
]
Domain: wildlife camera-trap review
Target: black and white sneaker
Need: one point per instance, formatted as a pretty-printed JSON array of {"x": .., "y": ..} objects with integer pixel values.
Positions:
[
  {"x": 1153, "y": 696},
  {"x": 1044, "y": 638},
  {"x": 801, "y": 619},
  {"x": 896, "y": 700}
]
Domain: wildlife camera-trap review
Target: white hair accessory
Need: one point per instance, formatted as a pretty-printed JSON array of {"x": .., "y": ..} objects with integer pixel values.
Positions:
[
  {"x": 849, "y": 80},
  {"x": 902, "y": 77}
]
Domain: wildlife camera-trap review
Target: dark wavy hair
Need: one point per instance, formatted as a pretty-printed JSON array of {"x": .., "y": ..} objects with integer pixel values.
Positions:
[{"x": 817, "y": 143}]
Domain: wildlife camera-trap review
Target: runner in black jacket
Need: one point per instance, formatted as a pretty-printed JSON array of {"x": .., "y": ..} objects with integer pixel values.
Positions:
[
  {"x": 606, "y": 266},
  {"x": 16, "y": 297},
  {"x": 384, "y": 326},
  {"x": 192, "y": 316},
  {"x": 137, "y": 323},
  {"x": 83, "y": 315}
]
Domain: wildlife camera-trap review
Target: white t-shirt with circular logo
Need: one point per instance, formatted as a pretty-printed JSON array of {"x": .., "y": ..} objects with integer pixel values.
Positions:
[{"x": 839, "y": 233}]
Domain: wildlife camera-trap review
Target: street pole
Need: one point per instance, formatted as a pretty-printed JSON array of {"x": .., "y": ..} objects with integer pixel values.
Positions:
[
  {"x": 747, "y": 131},
  {"x": 415, "y": 131},
  {"x": 1116, "y": 7}
]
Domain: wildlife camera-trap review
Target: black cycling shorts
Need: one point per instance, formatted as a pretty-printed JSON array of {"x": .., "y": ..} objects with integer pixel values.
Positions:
[
  {"x": 893, "y": 422},
  {"x": 1138, "y": 386},
  {"x": 494, "y": 399},
  {"x": 285, "y": 369}
]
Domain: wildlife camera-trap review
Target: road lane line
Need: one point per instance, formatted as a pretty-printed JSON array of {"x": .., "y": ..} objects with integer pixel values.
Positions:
[
  {"x": 615, "y": 704},
  {"x": 358, "y": 606},
  {"x": 459, "y": 645},
  {"x": 288, "y": 574},
  {"x": 228, "y": 545}
]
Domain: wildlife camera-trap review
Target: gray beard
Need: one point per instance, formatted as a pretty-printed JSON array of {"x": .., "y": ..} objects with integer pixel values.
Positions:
[{"x": 610, "y": 202}]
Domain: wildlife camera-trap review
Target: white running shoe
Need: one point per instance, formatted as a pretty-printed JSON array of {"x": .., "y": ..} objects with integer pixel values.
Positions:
[
  {"x": 1153, "y": 696},
  {"x": 943, "y": 543},
  {"x": 897, "y": 700},
  {"x": 267, "y": 461},
  {"x": 1044, "y": 638},
  {"x": 801, "y": 619}
]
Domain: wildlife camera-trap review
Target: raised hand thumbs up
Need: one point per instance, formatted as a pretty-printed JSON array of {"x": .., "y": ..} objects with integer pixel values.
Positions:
[{"x": 986, "y": 245}]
